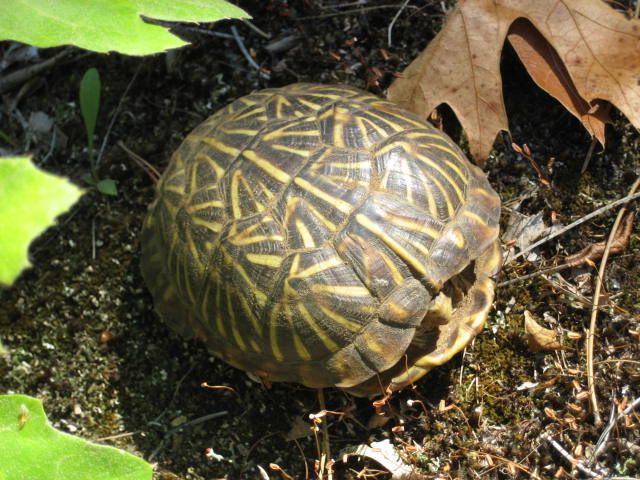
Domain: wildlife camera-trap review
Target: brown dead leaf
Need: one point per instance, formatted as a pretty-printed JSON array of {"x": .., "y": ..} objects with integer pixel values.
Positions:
[
  {"x": 539, "y": 338},
  {"x": 597, "y": 48},
  {"x": 546, "y": 68}
]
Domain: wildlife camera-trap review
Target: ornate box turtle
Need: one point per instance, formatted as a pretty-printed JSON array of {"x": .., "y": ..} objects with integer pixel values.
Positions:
[{"x": 321, "y": 235}]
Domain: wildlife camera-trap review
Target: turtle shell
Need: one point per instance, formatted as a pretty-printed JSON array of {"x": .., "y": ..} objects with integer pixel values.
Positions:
[{"x": 319, "y": 234}]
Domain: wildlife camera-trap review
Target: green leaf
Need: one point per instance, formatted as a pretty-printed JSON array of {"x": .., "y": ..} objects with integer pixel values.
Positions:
[
  {"x": 32, "y": 449},
  {"x": 106, "y": 25},
  {"x": 108, "y": 187},
  {"x": 90, "y": 102},
  {"x": 30, "y": 200}
]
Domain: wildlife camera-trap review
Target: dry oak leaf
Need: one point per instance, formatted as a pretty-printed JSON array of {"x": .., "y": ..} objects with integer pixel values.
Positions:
[
  {"x": 539, "y": 338},
  {"x": 580, "y": 51}
]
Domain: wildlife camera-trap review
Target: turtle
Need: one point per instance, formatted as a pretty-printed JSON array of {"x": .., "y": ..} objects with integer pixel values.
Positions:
[{"x": 321, "y": 235}]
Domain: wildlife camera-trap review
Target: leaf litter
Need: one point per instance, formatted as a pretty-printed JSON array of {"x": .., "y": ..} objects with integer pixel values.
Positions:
[{"x": 579, "y": 51}]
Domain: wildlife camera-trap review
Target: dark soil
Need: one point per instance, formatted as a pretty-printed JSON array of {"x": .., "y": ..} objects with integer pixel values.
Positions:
[{"x": 82, "y": 334}]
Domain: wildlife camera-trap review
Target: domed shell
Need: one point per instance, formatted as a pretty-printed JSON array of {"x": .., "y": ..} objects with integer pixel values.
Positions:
[{"x": 321, "y": 235}]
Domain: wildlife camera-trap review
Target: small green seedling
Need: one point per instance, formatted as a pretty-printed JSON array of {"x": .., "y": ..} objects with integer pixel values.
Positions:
[{"x": 89, "y": 107}]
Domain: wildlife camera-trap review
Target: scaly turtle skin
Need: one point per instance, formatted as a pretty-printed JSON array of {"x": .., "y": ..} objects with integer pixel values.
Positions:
[{"x": 321, "y": 235}]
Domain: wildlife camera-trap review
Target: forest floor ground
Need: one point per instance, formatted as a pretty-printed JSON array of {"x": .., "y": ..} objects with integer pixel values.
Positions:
[{"x": 82, "y": 334}]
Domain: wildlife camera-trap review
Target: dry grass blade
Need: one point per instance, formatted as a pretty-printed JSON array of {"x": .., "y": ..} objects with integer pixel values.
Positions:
[{"x": 596, "y": 303}]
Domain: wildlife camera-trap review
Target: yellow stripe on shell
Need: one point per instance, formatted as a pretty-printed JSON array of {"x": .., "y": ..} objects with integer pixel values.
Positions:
[
  {"x": 273, "y": 261},
  {"x": 280, "y": 103},
  {"x": 273, "y": 339},
  {"x": 364, "y": 121},
  {"x": 234, "y": 325},
  {"x": 213, "y": 226},
  {"x": 249, "y": 313},
  {"x": 308, "y": 104},
  {"x": 431, "y": 164},
  {"x": 324, "y": 338},
  {"x": 320, "y": 267},
  {"x": 340, "y": 320},
  {"x": 288, "y": 149},
  {"x": 395, "y": 246},
  {"x": 255, "y": 239},
  {"x": 341, "y": 205},
  {"x": 219, "y": 321},
  {"x": 261, "y": 297},
  {"x": 196, "y": 207},
  {"x": 292, "y": 204},
  {"x": 248, "y": 132},
  {"x": 474, "y": 217},
  {"x": 257, "y": 111},
  {"x": 410, "y": 225},
  {"x": 285, "y": 132},
  {"x": 268, "y": 167},
  {"x": 341, "y": 290},
  {"x": 218, "y": 145},
  {"x": 298, "y": 345},
  {"x": 305, "y": 234},
  {"x": 235, "y": 195}
]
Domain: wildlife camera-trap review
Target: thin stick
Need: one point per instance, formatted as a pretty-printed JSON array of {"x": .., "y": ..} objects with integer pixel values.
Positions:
[
  {"x": 12, "y": 80},
  {"x": 152, "y": 171},
  {"x": 349, "y": 12},
  {"x": 559, "y": 268},
  {"x": 588, "y": 156},
  {"x": 580, "y": 221},
  {"x": 181, "y": 427},
  {"x": 242, "y": 48},
  {"x": 393, "y": 22},
  {"x": 326, "y": 448},
  {"x": 256, "y": 29},
  {"x": 571, "y": 459},
  {"x": 115, "y": 114},
  {"x": 596, "y": 302}
]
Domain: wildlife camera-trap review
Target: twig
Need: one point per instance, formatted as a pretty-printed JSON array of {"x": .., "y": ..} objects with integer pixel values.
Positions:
[
  {"x": 326, "y": 447},
  {"x": 596, "y": 303},
  {"x": 580, "y": 221},
  {"x": 612, "y": 422},
  {"x": 559, "y": 268},
  {"x": 588, "y": 156},
  {"x": 571, "y": 459},
  {"x": 153, "y": 173},
  {"x": 115, "y": 114},
  {"x": 243, "y": 49},
  {"x": 255, "y": 28},
  {"x": 304, "y": 459},
  {"x": 181, "y": 427},
  {"x": 349, "y": 12},
  {"x": 11, "y": 81},
  {"x": 93, "y": 238},
  {"x": 393, "y": 22}
]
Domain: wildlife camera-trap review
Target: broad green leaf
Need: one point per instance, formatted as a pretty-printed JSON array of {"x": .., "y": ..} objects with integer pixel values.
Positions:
[
  {"x": 108, "y": 187},
  {"x": 30, "y": 200},
  {"x": 90, "y": 102},
  {"x": 30, "y": 448},
  {"x": 106, "y": 25}
]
